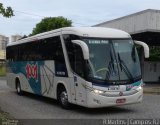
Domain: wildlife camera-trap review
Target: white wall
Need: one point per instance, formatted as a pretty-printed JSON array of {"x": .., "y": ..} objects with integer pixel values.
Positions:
[
  {"x": 151, "y": 71},
  {"x": 135, "y": 23}
]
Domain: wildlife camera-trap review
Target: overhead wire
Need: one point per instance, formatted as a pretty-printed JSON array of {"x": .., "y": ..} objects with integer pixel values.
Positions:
[{"x": 32, "y": 14}]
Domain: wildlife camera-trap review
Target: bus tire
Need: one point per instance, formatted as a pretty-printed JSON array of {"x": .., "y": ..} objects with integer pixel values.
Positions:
[
  {"x": 63, "y": 98},
  {"x": 18, "y": 87}
]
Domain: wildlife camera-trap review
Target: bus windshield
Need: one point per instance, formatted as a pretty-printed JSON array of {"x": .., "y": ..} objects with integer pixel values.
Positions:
[{"x": 113, "y": 60}]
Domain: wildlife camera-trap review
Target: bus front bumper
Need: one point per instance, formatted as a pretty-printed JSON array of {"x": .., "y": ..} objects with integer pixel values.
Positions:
[{"x": 96, "y": 100}]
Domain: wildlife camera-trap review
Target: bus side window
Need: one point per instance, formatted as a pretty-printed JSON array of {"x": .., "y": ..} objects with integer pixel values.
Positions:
[{"x": 51, "y": 49}]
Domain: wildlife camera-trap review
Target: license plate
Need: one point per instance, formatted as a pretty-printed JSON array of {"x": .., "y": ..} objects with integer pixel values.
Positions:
[
  {"x": 120, "y": 101},
  {"x": 114, "y": 88}
]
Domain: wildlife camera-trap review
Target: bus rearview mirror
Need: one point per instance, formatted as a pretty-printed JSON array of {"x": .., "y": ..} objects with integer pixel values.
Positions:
[
  {"x": 145, "y": 47},
  {"x": 84, "y": 48}
]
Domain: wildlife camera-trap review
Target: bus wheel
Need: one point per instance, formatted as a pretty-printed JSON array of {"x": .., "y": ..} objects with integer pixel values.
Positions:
[
  {"x": 63, "y": 99},
  {"x": 18, "y": 88}
]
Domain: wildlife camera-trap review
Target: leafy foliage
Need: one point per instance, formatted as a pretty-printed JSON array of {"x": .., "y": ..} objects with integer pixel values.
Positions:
[
  {"x": 6, "y": 12},
  {"x": 154, "y": 53},
  {"x": 51, "y": 23}
]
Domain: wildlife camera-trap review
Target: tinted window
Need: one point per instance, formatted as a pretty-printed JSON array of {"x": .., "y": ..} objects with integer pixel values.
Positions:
[
  {"x": 45, "y": 49},
  {"x": 51, "y": 49},
  {"x": 75, "y": 55},
  {"x": 12, "y": 53}
]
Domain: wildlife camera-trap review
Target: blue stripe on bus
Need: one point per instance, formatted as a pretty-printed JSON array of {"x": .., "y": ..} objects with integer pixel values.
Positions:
[{"x": 33, "y": 80}]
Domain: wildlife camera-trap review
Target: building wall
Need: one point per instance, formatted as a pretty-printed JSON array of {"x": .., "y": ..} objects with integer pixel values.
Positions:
[
  {"x": 152, "y": 71},
  {"x": 147, "y": 20},
  {"x": 3, "y": 42}
]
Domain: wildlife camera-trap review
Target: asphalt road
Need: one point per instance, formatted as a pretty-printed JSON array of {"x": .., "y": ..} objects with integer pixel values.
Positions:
[{"x": 30, "y": 106}]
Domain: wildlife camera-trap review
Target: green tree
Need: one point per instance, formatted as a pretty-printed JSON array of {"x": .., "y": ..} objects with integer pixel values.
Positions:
[
  {"x": 6, "y": 12},
  {"x": 154, "y": 53},
  {"x": 51, "y": 23}
]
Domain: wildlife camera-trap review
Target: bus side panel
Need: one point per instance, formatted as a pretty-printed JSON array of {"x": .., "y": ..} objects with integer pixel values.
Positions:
[
  {"x": 47, "y": 79},
  {"x": 28, "y": 72},
  {"x": 38, "y": 77}
]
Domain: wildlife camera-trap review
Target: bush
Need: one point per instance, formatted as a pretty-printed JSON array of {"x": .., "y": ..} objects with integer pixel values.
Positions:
[{"x": 2, "y": 70}]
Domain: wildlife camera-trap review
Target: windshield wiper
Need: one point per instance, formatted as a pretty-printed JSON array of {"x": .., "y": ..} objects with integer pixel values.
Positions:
[
  {"x": 111, "y": 67},
  {"x": 125, "y": 68}
]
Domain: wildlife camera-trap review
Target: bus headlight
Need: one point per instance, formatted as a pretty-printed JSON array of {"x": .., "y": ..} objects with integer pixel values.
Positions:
[
  {"x": 94, "y": 90},
  {"x": 139, "y": 88},
  {"x": 98, "y": 91}
]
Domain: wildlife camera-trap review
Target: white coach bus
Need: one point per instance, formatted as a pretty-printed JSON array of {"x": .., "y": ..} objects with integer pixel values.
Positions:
[{"x": 88, "y": 66}]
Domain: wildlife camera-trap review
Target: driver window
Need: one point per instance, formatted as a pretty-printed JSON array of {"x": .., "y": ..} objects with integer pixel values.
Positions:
[
  {"x": 75, "y": 55},
  {"x": 78, "y": 61}
]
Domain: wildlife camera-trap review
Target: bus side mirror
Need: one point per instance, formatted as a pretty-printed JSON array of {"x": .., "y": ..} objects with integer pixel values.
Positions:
[
  {"x": 84, "y": 48},
  {"x": 145, "y": 47}
]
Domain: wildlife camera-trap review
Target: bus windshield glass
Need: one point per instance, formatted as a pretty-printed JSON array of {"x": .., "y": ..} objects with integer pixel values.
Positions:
[{"x": 113, "y": 60}]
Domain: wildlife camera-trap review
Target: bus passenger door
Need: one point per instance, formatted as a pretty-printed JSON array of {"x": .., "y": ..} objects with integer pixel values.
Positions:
[
  {"x": 80, "y": 92},
  {"x": 79, "y": 74},
  {"x": 76, "y": 60}
]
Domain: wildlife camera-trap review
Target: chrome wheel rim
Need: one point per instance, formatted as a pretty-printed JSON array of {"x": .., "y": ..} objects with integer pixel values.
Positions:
[{"x": 64, "y": 98}]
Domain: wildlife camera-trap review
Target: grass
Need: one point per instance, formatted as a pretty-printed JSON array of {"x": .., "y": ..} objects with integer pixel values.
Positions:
[
  {"x": 154, "y": 90},
  {"x": 5, "y": 118},
  {"x": 2, "y": 70}
]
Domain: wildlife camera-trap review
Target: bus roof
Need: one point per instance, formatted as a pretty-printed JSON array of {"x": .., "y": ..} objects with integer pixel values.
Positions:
[{"x": 99, "y": 32}]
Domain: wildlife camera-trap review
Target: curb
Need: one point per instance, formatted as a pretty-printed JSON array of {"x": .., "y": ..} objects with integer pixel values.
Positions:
[{"x": 155, "y": 90}]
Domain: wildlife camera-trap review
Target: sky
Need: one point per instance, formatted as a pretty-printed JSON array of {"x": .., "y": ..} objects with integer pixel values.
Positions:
[{"x": 82, "y": 12}]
